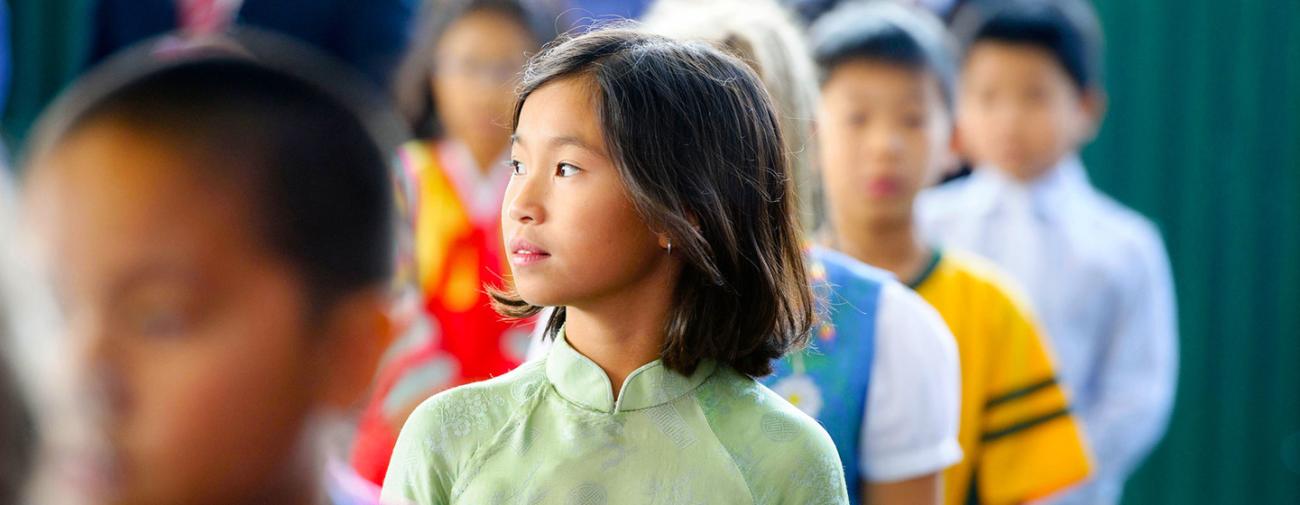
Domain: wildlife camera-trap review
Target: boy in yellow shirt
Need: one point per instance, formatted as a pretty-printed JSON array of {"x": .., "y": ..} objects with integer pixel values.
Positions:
[{"x": 884, "y": 131}]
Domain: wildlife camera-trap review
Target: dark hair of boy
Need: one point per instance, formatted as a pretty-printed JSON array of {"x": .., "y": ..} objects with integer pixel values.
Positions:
[
  {"x": 411, "y": 87},
  {"x": 1066, "y": 29},
  {"x": 697, "y": 143},
  {"x": 300, "y": 149},
  {"x": 885, "y": 32}
]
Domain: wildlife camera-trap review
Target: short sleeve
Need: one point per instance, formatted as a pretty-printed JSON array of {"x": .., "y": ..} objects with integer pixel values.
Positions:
[
  {"x": 807, "y": 469},
  {"x": 418, "y": 474},
  {"x": 817, "y": 478},
  {"x": 445, "y": 435},
  {"x": 913, "y": 404},
  {"x": 1032, "y": 444}
]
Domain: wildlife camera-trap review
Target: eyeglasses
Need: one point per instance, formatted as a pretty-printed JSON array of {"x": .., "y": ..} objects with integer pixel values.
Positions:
[{"x": 499, "y": 72}]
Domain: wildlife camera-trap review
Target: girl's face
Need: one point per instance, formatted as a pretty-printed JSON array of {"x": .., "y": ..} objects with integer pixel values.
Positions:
[
  {"x": 572, "y": 233},
  {"x": 477, "y": 63},
  {"x": 193, "y": 334}
]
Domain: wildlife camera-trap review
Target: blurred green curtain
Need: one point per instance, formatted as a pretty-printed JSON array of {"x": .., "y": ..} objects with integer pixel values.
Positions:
[
  {"x": 1203, "y": 136},
  {"x": 48, "y": 39}
]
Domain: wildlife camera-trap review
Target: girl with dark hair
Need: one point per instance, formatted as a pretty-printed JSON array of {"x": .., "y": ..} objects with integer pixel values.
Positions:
[
  {"x": 882, "y": 374},
  {"x": 651, "y": 204}
]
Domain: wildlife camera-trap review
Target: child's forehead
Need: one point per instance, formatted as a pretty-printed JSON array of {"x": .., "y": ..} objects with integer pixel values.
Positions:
[
  {"x": 113, "y": 155},
  {"x": 868, "y": 78},
  {"x": 483, "y": 33},
  {"x": 1000, "y": 57},
  {"x": 134, "y": 182},
  {"x": 560, "y": 113},
  {"x": 494, "y": 22},
  {"x": 578, "y": 88}
]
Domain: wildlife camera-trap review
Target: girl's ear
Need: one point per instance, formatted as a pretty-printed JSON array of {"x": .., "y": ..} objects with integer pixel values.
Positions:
[{"x": 357, "y": 331}]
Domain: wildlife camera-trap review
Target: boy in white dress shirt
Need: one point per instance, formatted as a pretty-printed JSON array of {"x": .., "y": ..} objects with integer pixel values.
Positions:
[{"x": 1096, "y": 272}]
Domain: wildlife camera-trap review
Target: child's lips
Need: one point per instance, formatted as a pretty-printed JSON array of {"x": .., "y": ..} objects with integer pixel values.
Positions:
[
  {"x": 882, "y": 187},
  {"x": 1010, "y": 153},
  {"x": 525, "y": 253},
  {"x": 523, "y": 259},
  {"x": 95, "y": 473}
]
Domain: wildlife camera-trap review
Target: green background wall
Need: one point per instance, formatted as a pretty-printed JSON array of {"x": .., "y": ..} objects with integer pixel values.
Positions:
[
  {"x": 1203, "y": 136},
  {"x": 47, "y": 39}
]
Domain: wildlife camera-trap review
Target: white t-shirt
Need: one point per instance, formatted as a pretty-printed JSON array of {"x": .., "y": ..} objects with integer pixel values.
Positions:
[{"x": 914, "y": 399}]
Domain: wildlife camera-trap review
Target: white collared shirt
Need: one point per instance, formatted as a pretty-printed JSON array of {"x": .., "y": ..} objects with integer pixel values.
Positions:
[{"x": 1098, "y": 277}]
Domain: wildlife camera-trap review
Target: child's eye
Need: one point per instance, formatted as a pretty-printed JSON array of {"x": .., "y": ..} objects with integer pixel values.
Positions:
[
  {"x": 1035, "y": 95},
  {"x": 566, "y": 170},
  {"x": 857, "y": 119},
  {"x": 914, "y": 120},
  {"x": 161, "y": 323},
  {"x": 516, "y": 168}
]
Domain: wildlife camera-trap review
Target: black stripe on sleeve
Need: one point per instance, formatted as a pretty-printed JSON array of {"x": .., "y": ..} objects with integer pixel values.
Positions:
[
  {"x": 1020, "y": 393},
  {"x": 1024, "y": 425}
]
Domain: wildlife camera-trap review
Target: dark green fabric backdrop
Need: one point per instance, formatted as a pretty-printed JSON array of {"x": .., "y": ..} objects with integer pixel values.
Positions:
[
  {"x": 1203, "y": 136},
  {"x": 48, "y": 38}
]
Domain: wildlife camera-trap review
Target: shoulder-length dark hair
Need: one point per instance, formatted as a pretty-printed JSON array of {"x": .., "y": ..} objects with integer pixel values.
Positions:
[
  {"x": 698, "y": 145},
  {"x": 540, "y": 18}
]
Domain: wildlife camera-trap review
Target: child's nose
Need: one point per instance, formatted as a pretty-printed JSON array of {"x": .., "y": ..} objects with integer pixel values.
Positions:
[
  {"x": 884, "y": 142},
  {"x": 526, "y": 205},
  {"x": 100, "y": 373}
]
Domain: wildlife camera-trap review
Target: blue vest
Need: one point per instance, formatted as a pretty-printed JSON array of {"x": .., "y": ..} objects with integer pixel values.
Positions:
[{"x": 830, "y": 379}]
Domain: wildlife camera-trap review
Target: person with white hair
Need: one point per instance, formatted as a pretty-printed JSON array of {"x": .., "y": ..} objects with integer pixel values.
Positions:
[{"x": 29, "y": 383}]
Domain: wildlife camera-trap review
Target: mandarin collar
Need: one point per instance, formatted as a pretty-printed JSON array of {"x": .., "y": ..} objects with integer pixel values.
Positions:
[{"x": 582, "y": 381}]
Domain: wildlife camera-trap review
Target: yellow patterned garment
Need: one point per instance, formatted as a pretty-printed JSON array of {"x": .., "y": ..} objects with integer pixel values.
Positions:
[
  {"x": 551, "y": 432},
  {"x": 1020, "y": 439}
]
